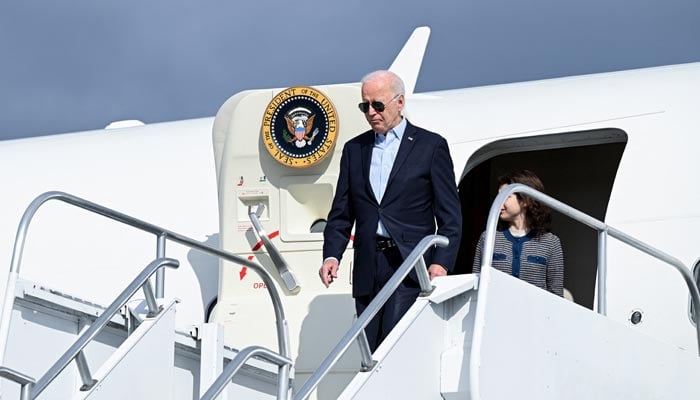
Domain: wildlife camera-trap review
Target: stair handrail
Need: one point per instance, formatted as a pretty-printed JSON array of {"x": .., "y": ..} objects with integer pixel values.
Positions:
[
  {"x": 413, "y": 261},
  {"x": 235, "y": 365},
  {"x": 74, "y": 351},
  {"x": 603, "y": 230},
  {"x": 25, "y": 381},
  {"x": 161, "y": 234}
]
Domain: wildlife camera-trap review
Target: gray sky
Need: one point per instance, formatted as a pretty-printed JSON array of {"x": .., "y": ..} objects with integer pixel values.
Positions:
[{"x": 80, "y": 64}]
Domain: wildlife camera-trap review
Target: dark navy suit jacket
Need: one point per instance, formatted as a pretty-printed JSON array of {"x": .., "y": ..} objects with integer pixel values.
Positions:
[{"x": 420, "y": 193}]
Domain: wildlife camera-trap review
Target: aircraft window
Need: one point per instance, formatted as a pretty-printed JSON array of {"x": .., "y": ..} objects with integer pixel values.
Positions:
[
  {"x": 696, "y": 275},
  {"x": 318, "y": 226}
]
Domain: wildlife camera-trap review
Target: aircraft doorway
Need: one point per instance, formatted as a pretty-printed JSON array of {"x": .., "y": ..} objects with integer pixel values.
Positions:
[{"x": 577, "y": 168}]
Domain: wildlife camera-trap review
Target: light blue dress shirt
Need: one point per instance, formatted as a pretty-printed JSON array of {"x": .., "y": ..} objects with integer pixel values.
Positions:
[{"x": 383, "y": 155}]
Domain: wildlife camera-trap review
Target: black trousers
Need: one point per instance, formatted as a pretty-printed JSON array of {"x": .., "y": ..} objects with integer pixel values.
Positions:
[{"x": 387, "y": 262}]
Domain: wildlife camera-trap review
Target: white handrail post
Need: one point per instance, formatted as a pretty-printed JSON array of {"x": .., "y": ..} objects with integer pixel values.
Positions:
[
  {"x": 423, "y": 278},
  {"x": 367, "y": 362},
  {"x": 84, "y": 371},
  {"x": 24, "y": 392},
  {"x": 602, "y": 272},
  {"x": 160, "y": 274},
  {"x": 150, "y": 299}
]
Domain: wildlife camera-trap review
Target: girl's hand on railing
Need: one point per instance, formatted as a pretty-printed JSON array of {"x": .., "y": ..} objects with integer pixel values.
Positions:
[{"x": 436, "y": 270}]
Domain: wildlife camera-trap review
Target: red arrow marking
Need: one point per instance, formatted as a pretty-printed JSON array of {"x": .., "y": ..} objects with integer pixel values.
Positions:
[
  {"x": 244, "y": 270},
  {"x": 273, "y": 235},
  {"x": 260, "y": 243}
]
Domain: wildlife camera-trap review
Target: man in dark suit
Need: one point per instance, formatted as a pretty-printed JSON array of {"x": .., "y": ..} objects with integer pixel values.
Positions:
[{"x": 397, "y": 185}]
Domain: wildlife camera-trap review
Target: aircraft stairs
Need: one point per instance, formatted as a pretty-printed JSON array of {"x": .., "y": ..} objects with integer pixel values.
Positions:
[
  {"x": 466, "y": 337},
  {"x": 133, "y": 356},
  {"x": 497, "y": 337},
  {"x": 532, "y": 345},
  {"x": 55, "y": 346}
]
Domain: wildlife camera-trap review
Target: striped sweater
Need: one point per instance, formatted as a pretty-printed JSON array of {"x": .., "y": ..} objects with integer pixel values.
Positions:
[{"x": 537, "y": 259}]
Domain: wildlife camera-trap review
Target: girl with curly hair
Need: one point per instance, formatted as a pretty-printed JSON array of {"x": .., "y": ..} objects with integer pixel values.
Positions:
[{"x": 525, "y": 247}]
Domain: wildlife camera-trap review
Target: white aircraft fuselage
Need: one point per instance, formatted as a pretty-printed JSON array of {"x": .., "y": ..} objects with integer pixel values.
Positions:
[{"x": 618, "y": 146}]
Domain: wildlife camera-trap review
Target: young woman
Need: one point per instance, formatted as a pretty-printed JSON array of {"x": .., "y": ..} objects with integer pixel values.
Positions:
[{"x": 525, "y": 248}]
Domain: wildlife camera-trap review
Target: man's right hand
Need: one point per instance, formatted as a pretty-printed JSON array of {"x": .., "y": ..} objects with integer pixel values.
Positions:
[{"x": 329, "y": 271}]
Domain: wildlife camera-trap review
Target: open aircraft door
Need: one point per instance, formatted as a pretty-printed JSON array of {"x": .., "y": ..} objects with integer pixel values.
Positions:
[
  {"x": 277, "y": 156},
  {"x": 578, "y": 168}
]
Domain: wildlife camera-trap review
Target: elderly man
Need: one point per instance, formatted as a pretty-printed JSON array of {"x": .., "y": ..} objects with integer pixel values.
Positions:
[{"x": 397, "y": 185}]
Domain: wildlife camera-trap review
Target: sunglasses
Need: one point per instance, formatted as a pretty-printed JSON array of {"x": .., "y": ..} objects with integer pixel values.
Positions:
[{"x": 377, "y": 105}]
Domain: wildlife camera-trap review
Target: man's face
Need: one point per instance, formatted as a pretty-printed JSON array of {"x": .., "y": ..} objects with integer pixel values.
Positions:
[{"x": 380, "y": 90}]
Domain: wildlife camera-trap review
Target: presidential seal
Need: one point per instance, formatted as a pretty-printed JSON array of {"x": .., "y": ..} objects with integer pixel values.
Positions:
[{"x": 299, "y": 127}]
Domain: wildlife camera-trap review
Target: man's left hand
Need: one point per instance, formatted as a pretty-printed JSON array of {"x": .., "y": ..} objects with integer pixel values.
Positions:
[{"x": 436, "y": 270}]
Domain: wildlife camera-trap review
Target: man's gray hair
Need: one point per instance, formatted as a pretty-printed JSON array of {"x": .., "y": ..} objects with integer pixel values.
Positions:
[{"x": 396, "y": 83}]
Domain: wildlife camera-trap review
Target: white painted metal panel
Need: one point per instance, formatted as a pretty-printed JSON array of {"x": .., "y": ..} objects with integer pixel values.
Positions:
[
  {"x": 539, "y": 346},
  {"x": 33, "y": 348},
  {"x": 142, "y": 367},
  {"x": 42, "y": 331}
]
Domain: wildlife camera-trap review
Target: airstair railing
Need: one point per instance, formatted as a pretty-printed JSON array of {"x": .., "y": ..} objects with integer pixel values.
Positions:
[
  {"x": 235, "y": 365},
  {"x": 161, "y": 234},
  {"x": 75, "y": 352},
  {"x": 603, "y": 230},
  {"x": 413, "y": 261},
  {"x": 25, "y": 381}
]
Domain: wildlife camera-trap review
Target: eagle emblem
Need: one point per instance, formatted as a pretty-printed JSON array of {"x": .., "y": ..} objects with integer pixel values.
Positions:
[
  {"x": 300, "y": 121},
  {"x": 299, "y": 127}
]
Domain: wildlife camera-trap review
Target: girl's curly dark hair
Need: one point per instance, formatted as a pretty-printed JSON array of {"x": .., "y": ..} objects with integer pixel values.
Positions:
[{"x": 537, "y": 215}]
